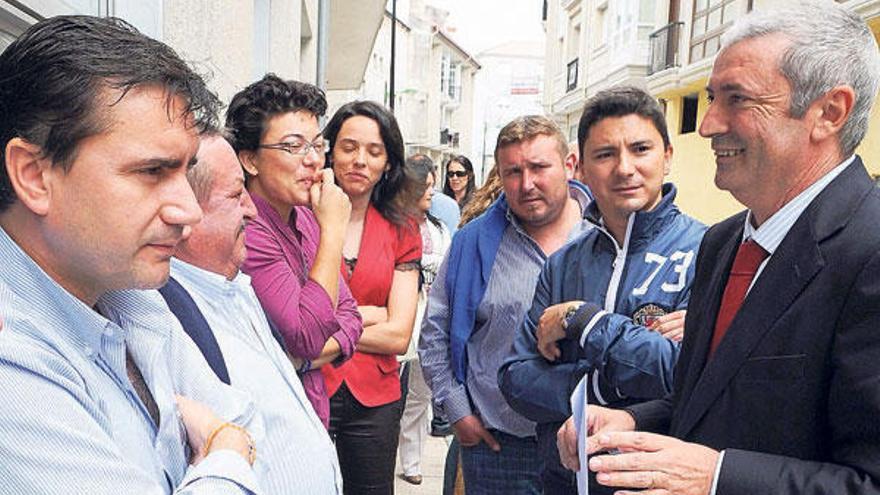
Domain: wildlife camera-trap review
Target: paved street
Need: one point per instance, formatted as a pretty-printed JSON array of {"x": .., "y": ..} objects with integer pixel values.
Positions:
[{"x": 432, "y": 471}]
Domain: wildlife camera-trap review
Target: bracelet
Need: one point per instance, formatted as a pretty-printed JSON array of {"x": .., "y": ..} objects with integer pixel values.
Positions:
[{"x": 252, "y": 449}]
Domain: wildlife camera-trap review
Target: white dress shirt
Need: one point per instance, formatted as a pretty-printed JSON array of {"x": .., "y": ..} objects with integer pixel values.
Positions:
[{"x": 297, "y": 449}]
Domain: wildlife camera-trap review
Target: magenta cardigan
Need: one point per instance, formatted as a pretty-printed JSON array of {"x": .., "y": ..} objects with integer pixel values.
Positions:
[{"x": 280, "y": 255}]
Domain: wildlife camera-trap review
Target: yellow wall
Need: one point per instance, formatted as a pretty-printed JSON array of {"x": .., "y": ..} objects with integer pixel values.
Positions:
[{"x": 693, "y": 164}]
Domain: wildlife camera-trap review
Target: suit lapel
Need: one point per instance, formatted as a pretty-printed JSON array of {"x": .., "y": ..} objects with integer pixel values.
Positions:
[
  {"x": 708, "y": 310},
  {"x": 790, "y": 269},
  {"x": 795, "y": 263}
]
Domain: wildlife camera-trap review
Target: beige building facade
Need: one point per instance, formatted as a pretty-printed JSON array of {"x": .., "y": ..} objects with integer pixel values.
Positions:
[
  {"x": 233, "y": 42},
  {"x": 592, "y": 45},
  {"x": 433, "y": 79},
  {"x": 676, "y": 41}
]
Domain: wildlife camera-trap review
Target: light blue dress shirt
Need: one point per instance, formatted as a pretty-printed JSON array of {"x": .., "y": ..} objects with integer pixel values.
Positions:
[
  {"x": 70, "y": 420},
  {"x": 447, "y": 210},
  {"x": 508, "y": 296},
  {"x": 300, "y": 456}
]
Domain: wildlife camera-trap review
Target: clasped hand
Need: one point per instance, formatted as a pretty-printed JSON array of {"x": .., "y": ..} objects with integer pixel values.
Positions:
[{"x": 653, "y": 464}]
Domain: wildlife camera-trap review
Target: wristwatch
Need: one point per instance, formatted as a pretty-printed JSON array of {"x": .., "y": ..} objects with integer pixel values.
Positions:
[{"x": 569, "y": 314}]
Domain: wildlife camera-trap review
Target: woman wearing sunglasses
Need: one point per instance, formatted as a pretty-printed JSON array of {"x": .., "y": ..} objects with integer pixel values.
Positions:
[
  {"x": 459, "y": 180},
  {"x": 382, "y": 253}
]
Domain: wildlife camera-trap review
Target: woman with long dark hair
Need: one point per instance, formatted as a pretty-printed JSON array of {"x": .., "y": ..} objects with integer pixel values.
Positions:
[
  {"x": 460, "y": 181},
  {"x": 435, "y": 242},
  {"x": 381, "y": 252}
]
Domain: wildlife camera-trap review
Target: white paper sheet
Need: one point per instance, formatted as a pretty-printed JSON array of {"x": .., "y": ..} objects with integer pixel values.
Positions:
[{"x": 579, "y": 413}]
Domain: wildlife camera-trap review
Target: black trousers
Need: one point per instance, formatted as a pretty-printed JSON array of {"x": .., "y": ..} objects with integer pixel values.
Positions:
[{"x": 366, "y": 442}]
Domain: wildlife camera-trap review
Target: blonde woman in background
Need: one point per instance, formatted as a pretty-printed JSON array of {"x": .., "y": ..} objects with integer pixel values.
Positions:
[{"x": 482, "y": 198}]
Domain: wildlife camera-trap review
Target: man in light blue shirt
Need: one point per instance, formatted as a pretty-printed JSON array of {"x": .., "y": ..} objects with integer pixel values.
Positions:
[
  {"x": 103, "y": 393},
  {"x": 303, "y": 459},
  {"x": 480, "y": 294},
  {"x": 447, "y": 210}
]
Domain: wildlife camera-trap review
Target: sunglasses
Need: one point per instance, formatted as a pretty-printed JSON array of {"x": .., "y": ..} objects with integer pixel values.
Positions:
[{"x": 453, "y": 173}]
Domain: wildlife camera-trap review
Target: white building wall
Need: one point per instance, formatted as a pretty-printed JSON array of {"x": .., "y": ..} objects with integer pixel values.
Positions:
[
  {"x": 506, "y": 70},
  {"x": 232, "y": 43}
]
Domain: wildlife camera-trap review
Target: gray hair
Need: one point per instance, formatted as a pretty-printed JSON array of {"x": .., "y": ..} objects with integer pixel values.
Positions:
[
  {"x": 199, "y": 176},
  {"x": 830, "y": 46}
]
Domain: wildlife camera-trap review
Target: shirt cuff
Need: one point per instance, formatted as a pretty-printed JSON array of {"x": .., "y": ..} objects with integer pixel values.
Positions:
[
  {"x": 717, "y": 473},
  {"x": 346, "y": 346},
  {"x": 584, "y": 320},
  {"x": 456, "y": 406},
  {"x": 222, "y": 468}
]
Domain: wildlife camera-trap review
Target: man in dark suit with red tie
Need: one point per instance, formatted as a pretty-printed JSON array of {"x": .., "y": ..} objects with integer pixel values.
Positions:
[{"x": 778, "y": 383}]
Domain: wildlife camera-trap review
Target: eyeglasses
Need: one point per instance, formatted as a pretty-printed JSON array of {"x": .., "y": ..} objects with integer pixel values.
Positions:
[
  {"x": 299, "y": 147},
  {"x": 454, "y": 173}
]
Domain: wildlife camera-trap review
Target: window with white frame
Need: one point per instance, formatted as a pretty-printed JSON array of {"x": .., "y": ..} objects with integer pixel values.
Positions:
[
  {"x": 621, "y": 22},
  {"x": 711, "y": 18}
]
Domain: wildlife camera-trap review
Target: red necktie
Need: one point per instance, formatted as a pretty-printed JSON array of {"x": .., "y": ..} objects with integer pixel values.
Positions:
[{"x": 748, "y": 258}]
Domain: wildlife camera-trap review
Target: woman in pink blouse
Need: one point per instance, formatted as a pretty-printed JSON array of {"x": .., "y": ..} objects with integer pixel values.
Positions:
[
  {"x": 294, "y": 246},
  {"x": 382, "y": 251}
]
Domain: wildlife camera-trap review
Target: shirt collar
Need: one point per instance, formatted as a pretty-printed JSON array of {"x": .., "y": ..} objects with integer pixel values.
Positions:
[
  {"x": 216, "y": 288},
  {"x": 771, "y": 233},
  {"x": 61, "y": 316}
]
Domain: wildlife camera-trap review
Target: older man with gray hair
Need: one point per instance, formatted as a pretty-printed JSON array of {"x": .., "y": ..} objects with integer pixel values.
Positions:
[
  {"x": 218, "y": 308},
  {"x": 777, "y": 388}
]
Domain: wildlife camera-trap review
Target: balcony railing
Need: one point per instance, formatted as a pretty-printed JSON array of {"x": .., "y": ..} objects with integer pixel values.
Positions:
[
  {"x": 664, "y": 47},
  {"x": 571, "y": 80}
]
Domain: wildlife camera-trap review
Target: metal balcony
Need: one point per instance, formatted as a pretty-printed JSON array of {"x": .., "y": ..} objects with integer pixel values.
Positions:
[{"x": 664, "y": 47}]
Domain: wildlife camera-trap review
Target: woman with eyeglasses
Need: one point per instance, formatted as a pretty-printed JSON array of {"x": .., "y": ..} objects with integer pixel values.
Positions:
[
  {"x": 460, "y": 183},
  {"x": 294, "y": 246},
  {"x": 382, "y": 251}
]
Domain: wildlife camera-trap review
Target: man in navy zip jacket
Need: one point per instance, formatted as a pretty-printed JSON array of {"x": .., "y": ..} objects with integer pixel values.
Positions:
[{"x": 618, "y": 292}]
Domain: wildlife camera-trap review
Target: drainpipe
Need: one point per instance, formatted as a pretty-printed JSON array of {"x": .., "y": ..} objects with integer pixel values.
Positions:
[
  {"x": 393, "y": 43},
  {"x": 323, "y": 43}
]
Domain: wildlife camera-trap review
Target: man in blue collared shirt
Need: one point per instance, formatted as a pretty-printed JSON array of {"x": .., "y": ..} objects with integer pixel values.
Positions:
[
  {"x": 480, "y": 294},
  {"x": 102, "y": 391},
  {"x": 207, "y": 267}
]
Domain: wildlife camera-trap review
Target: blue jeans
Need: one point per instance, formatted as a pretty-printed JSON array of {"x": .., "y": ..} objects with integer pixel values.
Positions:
[
  {"x": 515, "y": 470},
  {"x": 450, "y": 468}
]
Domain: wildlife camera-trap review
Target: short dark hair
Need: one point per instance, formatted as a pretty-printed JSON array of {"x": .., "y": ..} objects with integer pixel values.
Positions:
[
  {"x": 471, "y": 184},
  {"x": 53, "y": 76},
  {"x": 422, "y": 166},
  {"x": 620, "y": 102},
  {"x": 252, "y": 107},
  {"x": 397, "y": 191}
]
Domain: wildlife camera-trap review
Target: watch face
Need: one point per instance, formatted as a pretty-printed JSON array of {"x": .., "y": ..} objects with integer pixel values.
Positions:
[
  {"x": 569, "y": 313},
  {"x": 646, "y": 315}
]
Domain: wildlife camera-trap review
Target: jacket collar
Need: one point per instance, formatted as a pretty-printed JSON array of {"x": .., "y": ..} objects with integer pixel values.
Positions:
[{"x": 646, "y": 224}]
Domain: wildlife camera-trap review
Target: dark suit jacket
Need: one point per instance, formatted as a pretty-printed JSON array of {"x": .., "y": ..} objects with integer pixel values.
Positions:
[{"x": 793, "y": 391}]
